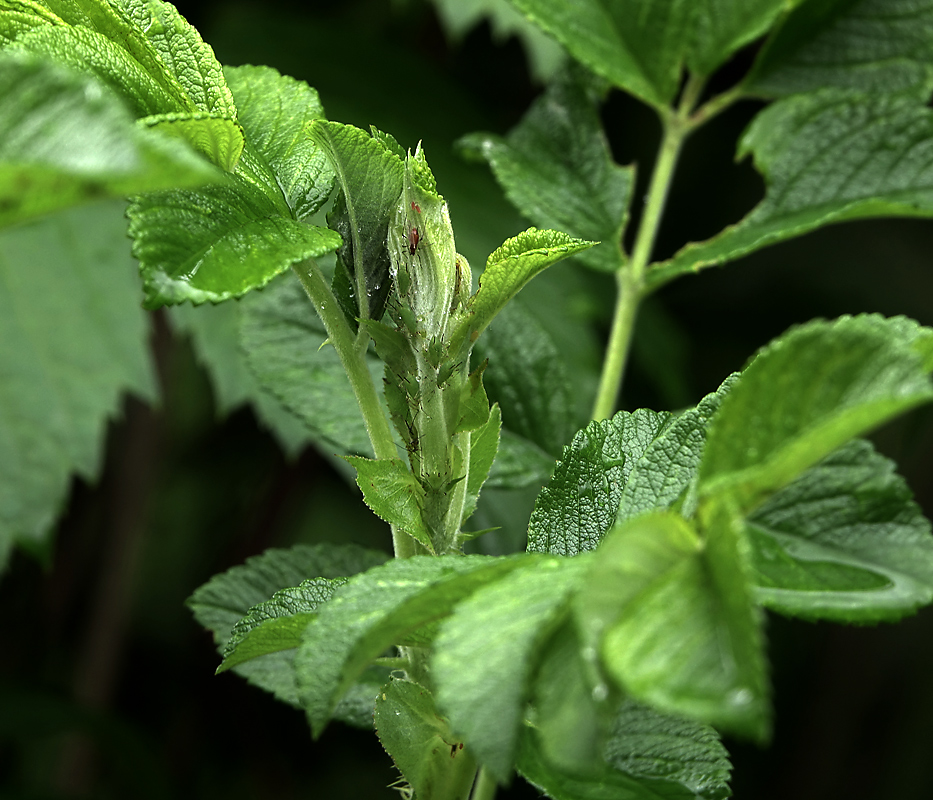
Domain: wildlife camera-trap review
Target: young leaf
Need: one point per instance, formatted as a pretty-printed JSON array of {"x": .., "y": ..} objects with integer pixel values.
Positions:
[
  {"x": 420, "y": 742},
  {"x": 484, "y": 445},
  {"x": 274, "y": 110},
  {"x": 486, "y": 653},
  {"x": 219, "y": 139},
  {"x": 807, "y": 393},
  {"x": 87, "y": 51},
  {"x": 394, "y": 494},
  {"x": 226, "y": 598},
  {"x": 282, "y": 337},
  {"x": 557, "y": 169},
  {"x": 827, "y": 157},
  {"x": 231, "y": 237},
  {"x": 186, "y": 56},
  {"x": 509, "y": 268},
  {"x": 379, "y": 609},
  {"x": 65, "y": 139},
  {"x": 874, "y": 45},
  {"x": 216, "y": 243},
  {"x": 369, "y": 176},
  {"x": 843, "y": 542},
  {"x": 72, "y": 341},
  {"x": 678, "y": 625}
]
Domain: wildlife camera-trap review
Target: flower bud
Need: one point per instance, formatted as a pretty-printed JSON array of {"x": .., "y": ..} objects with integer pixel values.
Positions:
[{"x": 421, "y": 250}]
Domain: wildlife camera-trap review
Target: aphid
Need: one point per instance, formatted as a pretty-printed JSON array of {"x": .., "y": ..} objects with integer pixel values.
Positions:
[{"x": 413, "y": 238}]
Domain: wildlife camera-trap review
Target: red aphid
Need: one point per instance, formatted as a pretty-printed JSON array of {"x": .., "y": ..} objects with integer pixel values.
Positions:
[
  {"x": 413, "y": 238},
  {"x": 415, "y": 207}
]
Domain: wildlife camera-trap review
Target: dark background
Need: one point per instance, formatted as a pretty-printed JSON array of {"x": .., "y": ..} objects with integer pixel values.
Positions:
[{"x": 106, "y": 683}]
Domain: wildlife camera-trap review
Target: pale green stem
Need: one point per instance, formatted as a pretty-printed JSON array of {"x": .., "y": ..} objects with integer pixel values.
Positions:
[
  {"x": 631, "y": 275},
  {"x": 485, "y": 787},
  {"x": 353, "y": 360}
]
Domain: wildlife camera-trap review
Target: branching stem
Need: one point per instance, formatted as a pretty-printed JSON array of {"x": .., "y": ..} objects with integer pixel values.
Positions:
[{"x": 630, "y": 278}]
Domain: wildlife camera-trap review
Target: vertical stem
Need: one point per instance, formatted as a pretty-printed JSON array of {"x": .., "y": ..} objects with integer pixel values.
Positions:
[
  {"x": 485, "y": 788},
  {"x": 630, "y": 277},
  {"x": 353, "y": 359}
]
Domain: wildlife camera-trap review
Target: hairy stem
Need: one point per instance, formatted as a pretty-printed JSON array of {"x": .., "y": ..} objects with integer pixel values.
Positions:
[
  {"x": 354, "y": 363},
  {"x": 631, "y": 275}
]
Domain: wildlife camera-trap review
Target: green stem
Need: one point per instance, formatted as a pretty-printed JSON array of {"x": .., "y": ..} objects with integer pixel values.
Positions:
[
  {"x": 354, "y": 362},
  {"x": 485, "y": 787},
  {"x": 631, "y": 275}
]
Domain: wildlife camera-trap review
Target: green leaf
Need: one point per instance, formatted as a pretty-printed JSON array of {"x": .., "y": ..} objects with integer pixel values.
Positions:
[
  {"x": 87, "y": 51},
  {"x": 376, "y": 610},
  {"x": 509, "y": 268},
  {"x": 228, "y": 238},
  {"x": 65, "y": 140},
  {"x": 72, "y": 341},
  {"x": 648, "y": 755},
  {"x": 827, "y": 157},
  {"x": 485, "y": 656},
  {"x": 186, "y": 56},
  {"x": 218, "y": 138},
  {"x": 579, "y": 504},
  {"x": 526, "y": 377},
  {"x": 369, "y": 176},
  {"x": 569, "y": 709},
  {"x": 274, "y": 110},
  {"x": 183, "y": 65},
  {"x": 19, "y": 15},
  {"x": 226, "y": 598},
  {"x": 883, "y": 46},
  {"x": 636, "y": 44},
  {"x": 643, "y": 46},
  {"x": 605, "y": 785},
  {"x": 678, "y": 626},
  {"x": 721, "y": 27},
  {"x": 557, "y": 169},
  {"x": 650, "y": 745},
  {"x": 807, "y": 393},
  {"x": 215, "y": 336},
  {"x": 216, "y": 243},
  {"x": 844, "y": 541},
  {"x": 484, "y": 445},
  {"x": 666, "y": 472},
  {"x": 394, "y": 494},
  {"x": 282, "y": 337},
  {"x": 614, "y": 470},
  {"x": 278, "y": 623},
  {"x": 419, "y": 740}
]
